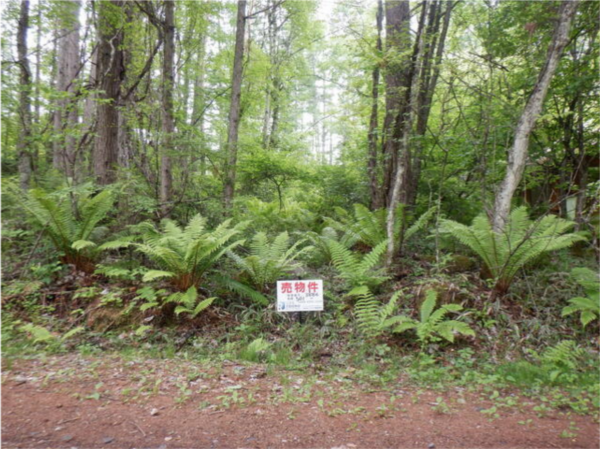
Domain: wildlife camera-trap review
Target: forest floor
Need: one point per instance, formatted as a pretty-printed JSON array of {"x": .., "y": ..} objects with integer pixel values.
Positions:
[{"x": 67, "y": 401}]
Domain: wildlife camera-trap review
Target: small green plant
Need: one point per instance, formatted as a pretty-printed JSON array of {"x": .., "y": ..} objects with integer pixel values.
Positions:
[
  {"x": 589, "y": 306},
  {"x": 71, "y": 220},
  {"x": 188, "y": 302},
  {"x": 256, "y": 350},
  {"x": 40, "y": 334},
  {"x": 431, "y": 324},
  {"x": 521, "y": 242},
  {"x": 440, "y": 406}
]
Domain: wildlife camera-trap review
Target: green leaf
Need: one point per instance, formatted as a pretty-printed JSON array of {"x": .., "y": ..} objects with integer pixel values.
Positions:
[
  {"x": 155, "y": 274},
  {"x": 81, "y": 244}
]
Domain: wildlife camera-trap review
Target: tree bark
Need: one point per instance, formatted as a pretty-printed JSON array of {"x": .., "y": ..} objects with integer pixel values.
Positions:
[
  {"x": 376, "y": 200},
  {"x": 234, "y": 108},
  {"x": 168, "y": 122},
  {"x": 402, "y": 134},
  {"x": 397, "y": 73},
  {"x": 110, "y": 72},
  {"x": 517, "y": 156},
  {"x": 24, "y": 139},
  {"x": 429, "y": 77},
  {"x": 66, "y": 115}
]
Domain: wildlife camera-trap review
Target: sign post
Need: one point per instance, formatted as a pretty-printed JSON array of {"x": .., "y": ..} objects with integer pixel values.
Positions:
[{"x": 300, "y": 296}]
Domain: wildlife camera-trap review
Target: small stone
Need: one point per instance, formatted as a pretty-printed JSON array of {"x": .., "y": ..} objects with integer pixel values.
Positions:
[
  {"x": 431, "y": 446},
  {"x": 107, "y": 440},
  {"x": 67, "y": 438},
  {"x": 154, "y": 412},
  {"x": 168, "y": 438}
]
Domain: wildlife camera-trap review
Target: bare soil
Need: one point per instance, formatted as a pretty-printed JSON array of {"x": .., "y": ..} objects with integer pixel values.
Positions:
[{"x": 72, "y": 401}]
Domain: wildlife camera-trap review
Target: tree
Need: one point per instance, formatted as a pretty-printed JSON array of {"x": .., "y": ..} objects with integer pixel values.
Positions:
[
  {"x": 24, "y": 139},
  {"x": 373, "y": 122},
  {"x": 168, "y": 124},
  {"x": 234, "y": 107},
  {"x": 111, "y": 73},
  {"x": 517, "y": 156},
  {"x": 397, "y": 82},
  {"x": 66, "y": 113}
]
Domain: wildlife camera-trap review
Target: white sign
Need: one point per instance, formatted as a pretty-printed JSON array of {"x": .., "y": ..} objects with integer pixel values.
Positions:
[{"x": 299, "y": 296}]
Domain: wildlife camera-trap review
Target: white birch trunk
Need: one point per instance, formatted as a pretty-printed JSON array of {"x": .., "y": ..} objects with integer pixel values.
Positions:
[{"x": 517, "y": 157}]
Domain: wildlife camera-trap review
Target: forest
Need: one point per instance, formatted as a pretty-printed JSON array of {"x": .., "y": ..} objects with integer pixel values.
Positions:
[{"x": 297, "y": 224}]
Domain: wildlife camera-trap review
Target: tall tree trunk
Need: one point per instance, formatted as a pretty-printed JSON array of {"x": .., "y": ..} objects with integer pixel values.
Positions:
[
  {"x": 517, "y": 156},
  {"x": 397, "y": 16},
  {"x": 429, "y": 78},
  {"x": 199, "y": 103},
  {"x": 402, "y": 134},
  {"x": 234, "y": 108},
  {"x": 24, "y": 139},
  {"x": 168, "y": 122},
  {"x": 376, "y": 194},
  {"x": 110, "y": 72},
  {"x": 66, "y": 114}
]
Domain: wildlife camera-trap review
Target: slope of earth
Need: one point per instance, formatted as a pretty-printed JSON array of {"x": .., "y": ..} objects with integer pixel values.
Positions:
[{"x": 73, "y": 401}]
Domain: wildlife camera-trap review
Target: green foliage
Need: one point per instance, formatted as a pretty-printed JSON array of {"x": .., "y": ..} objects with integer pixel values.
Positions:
[
  {"x": 188, "y": 302},
  {"x": 268, "y": 260},
  {"x": 520, "y": 243},
  {"x": 356, "y": 269},
  {"x": 273, "y": 217},
  {"x": 369, "y": 227},
  {"x": 370, "y": 314},
  {"x": 184, "y": 255},
  {"x": 322, "y": 254},
  {"x": 256, "y": 350},
  {"x": 70, "y": 219},
  {"x": 431, "y": 324},
  {"x": 589, "y": 306},
  {"x": 40, "y": 334}
]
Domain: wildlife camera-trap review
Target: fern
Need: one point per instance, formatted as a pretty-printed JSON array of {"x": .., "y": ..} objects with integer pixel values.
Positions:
[
  {"x": 188, "y": 302},
  {"x": 268, "y": 260},
  {"x": 70, "y": 222},
  {"x": 369, "y": 227},
  {"x": 322, "y": 253},
  {"x": 521, "y": 242},
  {"x": 432, "y": 324},
  {"x": 588, "y": 306},
  {"x": 356, "y": 269},
  {"x": 183, "y": 255},
  {"x": 371, "y": 315}
]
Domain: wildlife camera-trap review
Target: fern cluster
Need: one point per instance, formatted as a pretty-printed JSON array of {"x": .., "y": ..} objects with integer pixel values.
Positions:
[
  {"x": 369, "y": 227},
  {"x": 520, "y": 243},
  {"x": 356, "y": 269},
  {"x": 431, "y": 324},
  {"x": 71, "y": 221},
  {"x": 371, "y": 315},
  {"x": 183, "y": 254},
  {"x": 268, "y": 261}
]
